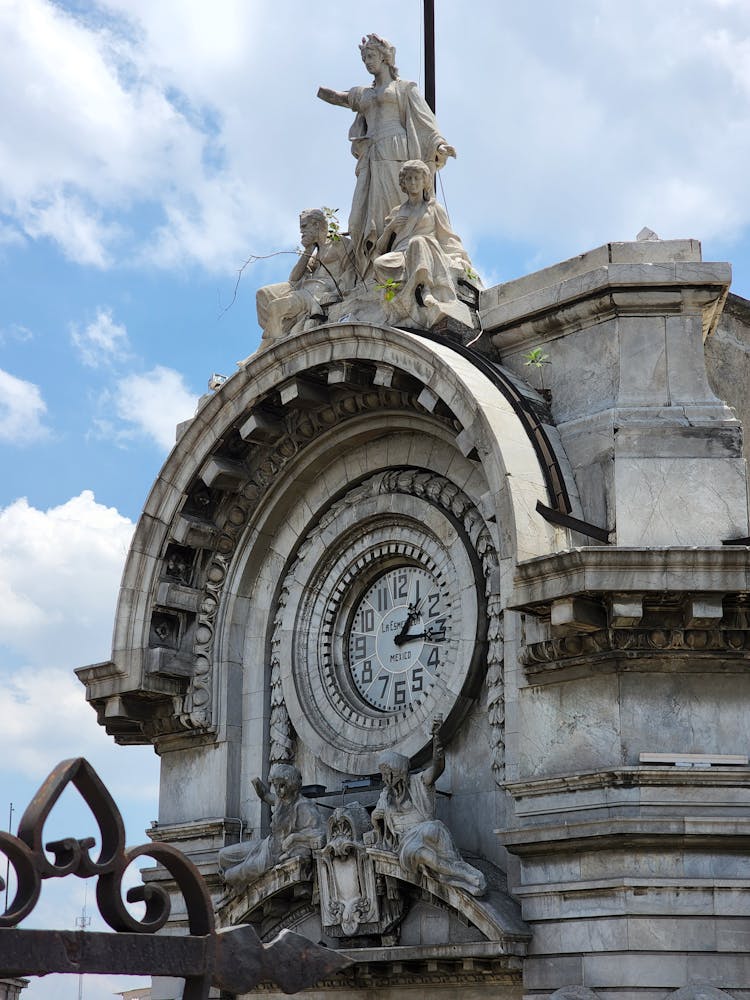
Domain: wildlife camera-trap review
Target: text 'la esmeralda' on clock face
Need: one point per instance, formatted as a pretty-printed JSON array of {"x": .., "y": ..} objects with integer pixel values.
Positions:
[{"x": 398, "y": 638}]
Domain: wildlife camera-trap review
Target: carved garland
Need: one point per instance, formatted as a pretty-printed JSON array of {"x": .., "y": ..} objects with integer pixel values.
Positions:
[
  {"x": 194, "y": 711},
  {"x": 443, "y": 493},
  {"x": 555, "y": 653}
]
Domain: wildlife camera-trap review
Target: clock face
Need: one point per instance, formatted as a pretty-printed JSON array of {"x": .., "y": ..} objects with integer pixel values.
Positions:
[
  {"x": 399, "y": 638},
  {"x": 381, "y": 630}
]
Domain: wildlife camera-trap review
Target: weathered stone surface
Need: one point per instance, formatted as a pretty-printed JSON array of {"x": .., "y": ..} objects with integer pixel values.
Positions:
[{"x": 594, "y": 698}]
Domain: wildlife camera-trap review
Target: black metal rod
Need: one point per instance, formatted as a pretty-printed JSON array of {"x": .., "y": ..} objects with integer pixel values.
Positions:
[
  {"x": 429, "y": 52},
  {"x": 574, "y": 523},
  {"x": 37, "y": 953}
]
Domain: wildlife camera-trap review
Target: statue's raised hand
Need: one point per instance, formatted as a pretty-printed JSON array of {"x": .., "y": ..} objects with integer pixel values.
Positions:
[{"x": 443, "y": 152}]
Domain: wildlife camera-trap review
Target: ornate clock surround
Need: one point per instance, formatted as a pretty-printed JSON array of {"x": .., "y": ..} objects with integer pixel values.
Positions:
[{"x": 373, "y": 527}]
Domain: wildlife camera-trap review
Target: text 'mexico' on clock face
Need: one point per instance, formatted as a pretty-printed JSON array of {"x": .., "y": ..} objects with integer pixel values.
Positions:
[{"x": 398, "y": 638}]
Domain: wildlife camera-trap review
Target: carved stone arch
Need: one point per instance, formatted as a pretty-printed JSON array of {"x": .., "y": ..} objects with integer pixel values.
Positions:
[{"x": 161, "y": 683}]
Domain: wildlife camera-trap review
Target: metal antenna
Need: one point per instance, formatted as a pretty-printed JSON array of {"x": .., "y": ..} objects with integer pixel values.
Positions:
[
  {"x": 429, "y": 53},
  {"x": 82, "y": 923}
]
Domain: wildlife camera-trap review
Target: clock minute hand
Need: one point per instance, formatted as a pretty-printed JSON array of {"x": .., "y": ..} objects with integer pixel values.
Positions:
[{"x": 428, "y": 634}]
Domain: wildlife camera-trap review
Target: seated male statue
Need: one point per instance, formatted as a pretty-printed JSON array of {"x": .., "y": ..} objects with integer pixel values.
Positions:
[
  {"x": 404, "y": 823},
  {"x": 323, "y": 274},
  {"x": 296, "y": 828}
]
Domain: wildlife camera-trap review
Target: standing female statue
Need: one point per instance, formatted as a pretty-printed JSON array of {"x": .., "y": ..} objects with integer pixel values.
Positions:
[{"x": 394, "y": 124}]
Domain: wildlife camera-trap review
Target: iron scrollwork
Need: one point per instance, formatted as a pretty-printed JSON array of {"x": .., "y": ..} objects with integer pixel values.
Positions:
[{"x": 232, "y": 959}]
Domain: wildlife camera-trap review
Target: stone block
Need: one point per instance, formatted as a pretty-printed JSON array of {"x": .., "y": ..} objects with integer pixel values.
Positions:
[
  {"x": 643, "y": 362},
  {"x": 655, "y": 251},
  {"x": 577, "y": 614},
  {"x": 725, "y": 970},
  {"x": 683, "y": 713},
  {"x": 383, "y": 375},
  {"x": 261, "y": 427},
  {"x": 623, "y": 969},
  {"x": 668, "y": 502},
  {"x": 556, "y": 731},
  {"x": 583, "y": 372},
  {"x": 549, "y": 972},
  {"x": 704, "y": 611},
  {"x": 223, "y": 474},
  {"x": 302, "y": 394},
  {"x": 625, "y": 612},
  {"x": 686, "y": 363}
]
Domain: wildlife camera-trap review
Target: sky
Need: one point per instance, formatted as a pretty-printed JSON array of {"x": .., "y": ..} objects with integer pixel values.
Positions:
[{"x": 148, "y": 148}]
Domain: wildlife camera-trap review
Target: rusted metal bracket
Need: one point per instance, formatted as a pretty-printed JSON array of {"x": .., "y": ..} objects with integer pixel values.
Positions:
[{"x": 233, "y": 959}]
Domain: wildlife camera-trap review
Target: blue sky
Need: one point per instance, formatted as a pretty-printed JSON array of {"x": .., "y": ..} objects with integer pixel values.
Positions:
[{"x": 148, "y": 147}]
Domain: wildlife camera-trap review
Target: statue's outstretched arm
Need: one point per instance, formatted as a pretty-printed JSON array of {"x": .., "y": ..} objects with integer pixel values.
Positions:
[{"x": 339, "y": 97}]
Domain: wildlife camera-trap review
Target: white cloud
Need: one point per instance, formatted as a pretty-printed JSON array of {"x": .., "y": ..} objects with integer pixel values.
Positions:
[
  {"x": 79, "y": 231},
  {"x": 101, "y": 342},
  {"x": 59, "y": 575},
  {"x": 15, "y": 332},
  {"x": 22, "y": 411},
  {"x": 60, "y": 570},
  {"x": 154, "y": 403},
  {"x": 83, "y": 131},
  {"x": 575, "y": 134}
]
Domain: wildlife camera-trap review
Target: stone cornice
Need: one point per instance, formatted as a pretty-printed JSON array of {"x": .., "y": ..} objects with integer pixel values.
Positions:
[
  {"x": 609, "y": 570},
  {"x": 628, "y": 777},
  {"x": 684, "y": 832},
  {"x": 551, "y": 310}
]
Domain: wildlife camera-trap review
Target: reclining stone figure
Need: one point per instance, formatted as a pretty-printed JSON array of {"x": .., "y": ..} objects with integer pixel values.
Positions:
[
  {"x": 296, "y": 828},
  {"x": 404, "y": 822}
]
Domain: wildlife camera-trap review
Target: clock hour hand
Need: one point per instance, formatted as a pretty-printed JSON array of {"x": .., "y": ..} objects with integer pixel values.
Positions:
[{"x": 403, "y": 635}]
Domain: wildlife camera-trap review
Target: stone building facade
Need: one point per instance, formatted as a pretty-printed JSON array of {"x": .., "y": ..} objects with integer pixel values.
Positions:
[
  {"x": 10, "y": 989},
  {"x": 570, "y": 493}
]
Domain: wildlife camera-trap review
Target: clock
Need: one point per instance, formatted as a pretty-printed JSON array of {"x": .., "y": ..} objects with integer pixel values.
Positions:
[
  {"x": 399, "y": 638},
  {"x": 380, "y": 627}
]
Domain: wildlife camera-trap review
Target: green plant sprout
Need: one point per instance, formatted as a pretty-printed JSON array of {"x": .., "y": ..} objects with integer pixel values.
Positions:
[
  {"x": 334, "y": 226},
  {"x": 536, "y": 358},
  {"x": 471, "y": 274},
  {"x": 389, "y": 288}
]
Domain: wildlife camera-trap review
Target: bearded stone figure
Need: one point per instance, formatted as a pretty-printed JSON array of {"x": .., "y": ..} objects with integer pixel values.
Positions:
[{"x": 404, "y": 822}]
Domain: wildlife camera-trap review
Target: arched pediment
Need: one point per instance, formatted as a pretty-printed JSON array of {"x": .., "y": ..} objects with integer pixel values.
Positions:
[{"x": 287, "y": 895}]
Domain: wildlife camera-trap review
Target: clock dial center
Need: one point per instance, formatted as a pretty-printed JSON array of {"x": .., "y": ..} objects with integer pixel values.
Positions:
[{"x": 397, "y": 638}]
